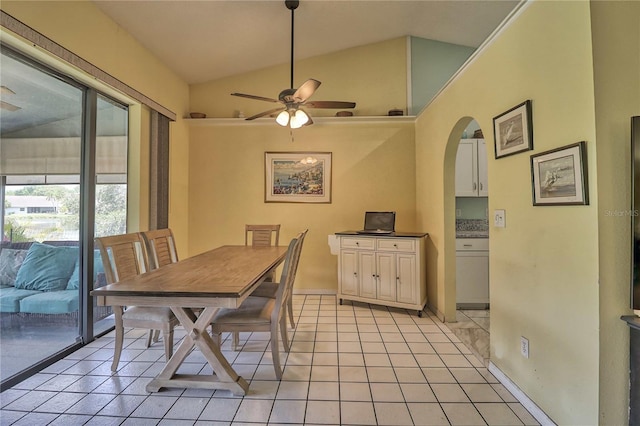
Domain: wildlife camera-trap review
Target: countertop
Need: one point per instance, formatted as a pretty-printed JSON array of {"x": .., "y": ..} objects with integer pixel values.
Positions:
[
  {"x": 472, "y": 234},
  {"x": 393, "y": 234}
]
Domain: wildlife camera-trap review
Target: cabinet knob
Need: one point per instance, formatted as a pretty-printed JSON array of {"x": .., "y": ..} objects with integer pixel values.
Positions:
[
  {"x": 355, "y": 274},
  {"x": 357, "y": 243},
  {"x": 480, "y": 186},
  {"x": 475, "y": 186},
  {"x": 395, "y": 245}
]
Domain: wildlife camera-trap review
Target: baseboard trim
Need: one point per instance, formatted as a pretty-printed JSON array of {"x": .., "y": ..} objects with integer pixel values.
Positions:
[
  {"x": 320, "y": 291},
  {"x": 526, "y": 402}
]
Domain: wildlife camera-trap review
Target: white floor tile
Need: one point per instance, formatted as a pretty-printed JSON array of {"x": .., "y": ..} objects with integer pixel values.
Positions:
[
  {"x": 392, "y": 413},
  {"x": 323, "y": 412},
  {"x": 349, "y": 364},
  {"x": 357, "y": 413},
  {"x": 355, "y": 391},
  {"x": 288, "y": 411}
]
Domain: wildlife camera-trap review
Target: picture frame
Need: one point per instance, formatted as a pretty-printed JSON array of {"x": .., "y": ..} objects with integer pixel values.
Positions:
[
  {"x": 513, "y": 130},
  {"x": 559, "y": 176},
  {"x": 297, "y": 177}
]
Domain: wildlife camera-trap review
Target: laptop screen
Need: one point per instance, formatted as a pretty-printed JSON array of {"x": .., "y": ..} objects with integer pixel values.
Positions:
[{"x": 385, "y": 221}]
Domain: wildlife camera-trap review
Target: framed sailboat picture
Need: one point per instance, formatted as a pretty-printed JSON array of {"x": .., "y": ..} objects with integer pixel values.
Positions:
[{"x": 559, "y": 176}]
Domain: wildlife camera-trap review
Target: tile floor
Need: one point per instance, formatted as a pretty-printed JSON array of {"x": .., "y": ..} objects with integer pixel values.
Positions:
[
  {"x": 350, "y": 364},
  {"x": 472, "y": 328}
]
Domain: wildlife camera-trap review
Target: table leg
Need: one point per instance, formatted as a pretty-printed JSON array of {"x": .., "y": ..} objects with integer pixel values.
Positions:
[{"x": 224, "y": 376}]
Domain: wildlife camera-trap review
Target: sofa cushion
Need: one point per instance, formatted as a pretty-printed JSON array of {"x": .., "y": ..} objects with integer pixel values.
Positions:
[
  {"x": 10, "y": 261},
  {"x": 74, "y": 280},
  {"x": 46, "y": 268},
  {"x": 51, "y": 302},
  {"x": 10, "y": 298}
]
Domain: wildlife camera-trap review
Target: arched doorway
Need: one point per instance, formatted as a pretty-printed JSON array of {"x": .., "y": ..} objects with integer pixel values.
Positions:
[{"x": 472, "y": 240}]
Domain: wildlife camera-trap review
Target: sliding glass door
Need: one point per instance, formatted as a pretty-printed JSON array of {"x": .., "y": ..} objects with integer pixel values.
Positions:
[{"x": 63, "y": 162}]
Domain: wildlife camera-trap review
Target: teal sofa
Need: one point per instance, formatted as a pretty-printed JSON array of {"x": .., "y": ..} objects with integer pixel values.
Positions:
[{"x": 42, "y": 278}]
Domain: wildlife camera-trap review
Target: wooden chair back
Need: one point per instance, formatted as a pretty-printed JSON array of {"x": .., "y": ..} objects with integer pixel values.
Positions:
[
  {"x": 290, "y": 278},
  {"x": 261, "y": 235},
  {"x": 161, "y": 247},
  {"x": 123, "y": 256}
]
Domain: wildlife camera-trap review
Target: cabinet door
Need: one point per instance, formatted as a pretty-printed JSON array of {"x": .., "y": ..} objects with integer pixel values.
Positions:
[
  {"x": 386, "y": 276},
  {"x": 466, "y": 169},
  {"x": 367, "y": 273},
  {"x": 349, "y": 272},
  {"x": 472, "y": 277},
  {"x": 406, "y": 278},
  {"x": 483, "y": 182}
]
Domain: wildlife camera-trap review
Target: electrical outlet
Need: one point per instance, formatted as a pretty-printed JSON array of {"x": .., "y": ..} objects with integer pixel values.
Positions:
[
  {"x": 524, "y": 346},
  {"x": 458, "y": 212}
]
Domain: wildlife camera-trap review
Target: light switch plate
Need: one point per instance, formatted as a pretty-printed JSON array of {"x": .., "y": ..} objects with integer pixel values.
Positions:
[{"x": 499, "y": 219}]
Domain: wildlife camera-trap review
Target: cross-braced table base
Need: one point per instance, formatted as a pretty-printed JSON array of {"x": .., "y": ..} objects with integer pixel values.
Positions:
[{"x": 223, "y": 377}]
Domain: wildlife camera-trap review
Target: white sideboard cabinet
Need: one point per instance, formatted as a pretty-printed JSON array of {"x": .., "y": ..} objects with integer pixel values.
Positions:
[{"x": 385, "y": 270}]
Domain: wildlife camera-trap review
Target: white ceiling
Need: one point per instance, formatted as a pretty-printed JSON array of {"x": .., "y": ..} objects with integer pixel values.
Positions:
[{"x": 209, "y": 39}]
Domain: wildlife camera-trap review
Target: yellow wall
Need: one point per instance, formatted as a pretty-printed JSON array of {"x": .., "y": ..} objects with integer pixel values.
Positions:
[
  {"x": 372, "y": 76},
  {"x": 373, "y": 164},
  {"x": 373, "y": 169},
  {"x": 544, "y": 268},
  {"x": 616, "y": 43},
  {"x": 84, "y": 30}
]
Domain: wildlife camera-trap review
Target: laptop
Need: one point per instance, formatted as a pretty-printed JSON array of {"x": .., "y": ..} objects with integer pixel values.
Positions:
[{"x": 379, "y": 223}]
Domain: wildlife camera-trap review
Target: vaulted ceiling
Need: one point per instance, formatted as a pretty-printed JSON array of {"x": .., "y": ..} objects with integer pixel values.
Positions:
[{"x": 206, "y": 40}]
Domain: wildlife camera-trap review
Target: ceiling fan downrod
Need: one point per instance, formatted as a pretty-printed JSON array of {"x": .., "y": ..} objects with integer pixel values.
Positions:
[{"x": 292, "y": 5}]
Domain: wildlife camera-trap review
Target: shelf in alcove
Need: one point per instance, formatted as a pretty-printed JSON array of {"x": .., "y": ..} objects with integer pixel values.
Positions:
[{"x": 316, "y": 120}]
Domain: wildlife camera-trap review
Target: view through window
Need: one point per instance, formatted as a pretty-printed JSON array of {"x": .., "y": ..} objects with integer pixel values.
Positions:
[{"x": 43, "y": 145}]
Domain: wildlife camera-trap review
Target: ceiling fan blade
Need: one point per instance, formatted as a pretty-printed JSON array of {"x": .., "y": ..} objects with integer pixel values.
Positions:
[
  {"x": 305, "y": 91},
  {"x": 262, "y": 114},
  {"x": 9, "y": 107},
  {"x": 330, "y": 104},
  {"x": 258, "y": 98}
]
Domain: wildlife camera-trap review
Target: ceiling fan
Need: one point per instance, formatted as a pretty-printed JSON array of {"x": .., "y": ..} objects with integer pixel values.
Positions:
[{"x": 291, "y": 113}]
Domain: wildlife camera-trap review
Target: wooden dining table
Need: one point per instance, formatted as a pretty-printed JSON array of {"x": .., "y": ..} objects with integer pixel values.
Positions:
[{"x": 220, "y": 278}]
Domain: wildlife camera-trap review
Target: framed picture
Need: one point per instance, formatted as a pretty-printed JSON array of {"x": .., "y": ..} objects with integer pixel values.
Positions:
[
  {"x": 513, "y": 130},
  {"x": 559, "y": 176},
  {"x": 297, "y": 177}
]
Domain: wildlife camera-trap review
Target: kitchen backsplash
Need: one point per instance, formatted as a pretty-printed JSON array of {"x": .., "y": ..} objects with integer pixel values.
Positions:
[
  {"x": 472, "y": 228},
  {"x": 472, "y": 225}
]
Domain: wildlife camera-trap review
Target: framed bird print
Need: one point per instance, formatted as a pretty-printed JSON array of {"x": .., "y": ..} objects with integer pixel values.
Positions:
[{"x": 513, "y": 130}]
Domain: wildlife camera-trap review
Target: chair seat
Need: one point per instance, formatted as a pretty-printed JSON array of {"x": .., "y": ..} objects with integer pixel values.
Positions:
[
  {"x": 266, "y": 289},
  {"x": 148, "y": 313},
  {"x": 254, "y": 310}
]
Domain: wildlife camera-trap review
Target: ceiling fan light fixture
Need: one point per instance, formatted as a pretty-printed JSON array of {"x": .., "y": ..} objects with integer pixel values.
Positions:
[
  {"x": 283, "y": 118},
  {"x": 299, "y": 119}
]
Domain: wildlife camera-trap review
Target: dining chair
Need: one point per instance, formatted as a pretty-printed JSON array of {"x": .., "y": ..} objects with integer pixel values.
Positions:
[
  {"x": 264, "y": 235},
  {"x": 161, "y": 247},
  {"x": 262, "y": 313},
  {"x": 261, "y": 235},
  {"x": 161, "y": 250},
  {"x": 124, "y": 256}
]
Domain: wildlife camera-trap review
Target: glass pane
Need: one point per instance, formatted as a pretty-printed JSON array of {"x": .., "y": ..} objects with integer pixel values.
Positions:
[
  {"x": 40, "y": 129},
  {"x": 111, "y": 189}
]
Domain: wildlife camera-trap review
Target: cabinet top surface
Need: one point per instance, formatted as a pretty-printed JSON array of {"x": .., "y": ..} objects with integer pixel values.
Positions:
[{"x": 393, "y": 234}]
